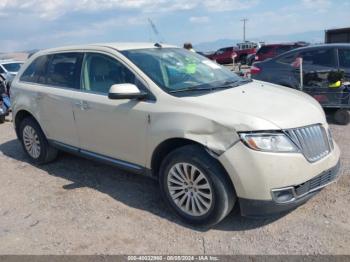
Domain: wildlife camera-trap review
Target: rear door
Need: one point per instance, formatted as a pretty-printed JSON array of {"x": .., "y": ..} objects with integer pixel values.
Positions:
[{"x": 59, "y": 93}]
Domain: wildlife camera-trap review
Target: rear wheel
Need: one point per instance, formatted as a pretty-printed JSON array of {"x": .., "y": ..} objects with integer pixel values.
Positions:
[
  {"x": 342, "y": 117},
  {"x": 35, "y": 143},
  {"x": 2, "y": 119},
  {"x": 196, "y": 186}
]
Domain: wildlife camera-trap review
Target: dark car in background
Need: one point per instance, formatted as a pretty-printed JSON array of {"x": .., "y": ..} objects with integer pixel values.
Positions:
[
  {"x": 319, "y": 62},
  {"x": 273, "y": 50},
  {"x": 284, "y": 69}
]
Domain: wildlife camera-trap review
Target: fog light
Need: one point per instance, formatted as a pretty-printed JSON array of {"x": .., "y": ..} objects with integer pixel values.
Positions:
[{"x": 283, "y": 195}]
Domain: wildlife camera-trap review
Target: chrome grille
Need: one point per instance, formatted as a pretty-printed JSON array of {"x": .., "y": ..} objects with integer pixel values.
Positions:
[{"x": 312, "y": 141}]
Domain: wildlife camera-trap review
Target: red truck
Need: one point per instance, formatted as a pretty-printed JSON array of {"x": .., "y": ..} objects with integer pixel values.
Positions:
[{"x": 238, "y": 53}]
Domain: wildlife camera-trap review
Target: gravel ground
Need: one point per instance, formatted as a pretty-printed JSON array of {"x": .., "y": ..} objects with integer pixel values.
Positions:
[{"x": 76, "y": 206}]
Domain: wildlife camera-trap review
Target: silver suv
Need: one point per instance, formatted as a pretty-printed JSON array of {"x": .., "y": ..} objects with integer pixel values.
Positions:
[{"x": 211, "y": 138}]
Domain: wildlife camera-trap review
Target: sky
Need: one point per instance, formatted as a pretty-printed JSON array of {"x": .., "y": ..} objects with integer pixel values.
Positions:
[{"x": 37, "y": 24}]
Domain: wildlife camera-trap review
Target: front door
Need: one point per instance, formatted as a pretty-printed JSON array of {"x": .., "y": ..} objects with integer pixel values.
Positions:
[{"x": 112, "y": 128}]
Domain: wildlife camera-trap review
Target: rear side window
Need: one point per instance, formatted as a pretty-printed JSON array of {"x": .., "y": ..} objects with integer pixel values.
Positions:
[
  {"x": 320, "y": 57},
  {"x": 344, "y": 58},
  {"x": 64, "y": 70},
  {"x": 35, "y": 72}
]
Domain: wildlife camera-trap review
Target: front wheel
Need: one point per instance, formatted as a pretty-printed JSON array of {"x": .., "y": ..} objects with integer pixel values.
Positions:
[{"x": 196, "y": 187}]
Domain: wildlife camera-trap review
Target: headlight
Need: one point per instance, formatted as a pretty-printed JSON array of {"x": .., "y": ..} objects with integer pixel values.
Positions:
[{"x": 269, "y": 142}]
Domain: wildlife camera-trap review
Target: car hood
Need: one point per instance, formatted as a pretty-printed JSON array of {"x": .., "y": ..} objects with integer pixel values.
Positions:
[{"x": 259, "y": 106}]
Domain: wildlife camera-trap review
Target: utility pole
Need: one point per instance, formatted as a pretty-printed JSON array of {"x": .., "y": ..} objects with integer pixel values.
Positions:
[{"x": 244, "y": 20}]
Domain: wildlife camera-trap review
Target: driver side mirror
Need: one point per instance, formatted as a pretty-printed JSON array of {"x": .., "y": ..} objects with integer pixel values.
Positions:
[{"x": 126, "y": 91}]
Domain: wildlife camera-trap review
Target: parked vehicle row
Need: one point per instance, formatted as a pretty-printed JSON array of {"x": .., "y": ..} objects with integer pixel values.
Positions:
[
  {"x": 211, "y": 138},
  {"x": 273, "y": 50},
  {"x": 248, "y": 53},
  {"x": 238, "y": 54}
]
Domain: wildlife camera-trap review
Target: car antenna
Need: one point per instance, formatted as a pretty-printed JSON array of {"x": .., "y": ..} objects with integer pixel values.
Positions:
[{"x": 158, "y": 45}]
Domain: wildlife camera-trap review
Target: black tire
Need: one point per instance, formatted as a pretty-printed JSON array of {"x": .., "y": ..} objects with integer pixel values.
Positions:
[
  {"x": 342, "y": 117},
  {"x": 2, "y": 119},
  {"x": 223, "y": 194},
  {"x": 47, "y": 152}
]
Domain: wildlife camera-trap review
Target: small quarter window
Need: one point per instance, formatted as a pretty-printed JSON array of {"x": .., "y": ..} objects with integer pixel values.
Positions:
[{"x": 35, "y": 72}]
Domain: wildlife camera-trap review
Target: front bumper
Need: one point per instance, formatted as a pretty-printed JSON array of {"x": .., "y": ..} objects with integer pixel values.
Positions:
[
  {"x": 255, "y": 174},
  {"x": 302, "y": 193}
]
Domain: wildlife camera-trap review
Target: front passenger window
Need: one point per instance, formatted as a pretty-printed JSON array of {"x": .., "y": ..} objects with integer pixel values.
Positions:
[{"x": 100, "y": 72}]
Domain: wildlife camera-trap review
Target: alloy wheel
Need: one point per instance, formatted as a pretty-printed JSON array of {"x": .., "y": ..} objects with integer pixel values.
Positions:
[
  {"x": 190, "y": 189},
  {"x": 31, "y": 142}
]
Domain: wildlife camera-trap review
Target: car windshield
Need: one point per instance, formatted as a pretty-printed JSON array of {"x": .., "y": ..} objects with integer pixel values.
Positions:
[
  {"x": 179, "y": 70},
  {"x": 12, "y": 67}
]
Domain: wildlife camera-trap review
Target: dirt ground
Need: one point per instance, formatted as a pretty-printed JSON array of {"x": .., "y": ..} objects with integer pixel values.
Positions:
[{"x": 76, "y": 206}]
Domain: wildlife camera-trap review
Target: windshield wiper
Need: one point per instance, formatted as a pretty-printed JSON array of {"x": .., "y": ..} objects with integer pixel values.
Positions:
[
  {"x": 189, "y": 89},
  {"x": 224, "y": 85},
  {"x": 236, "y": 83}
]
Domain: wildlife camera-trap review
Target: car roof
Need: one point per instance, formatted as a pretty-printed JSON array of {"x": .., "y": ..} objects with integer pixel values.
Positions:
[
  {"x": 120, "y": 46},
  {"x": 311, "y": 47},
  {"x": 285, "y": 44},
  {"x": 321, "y": 46},
  {"x": 10, "y": 61}
]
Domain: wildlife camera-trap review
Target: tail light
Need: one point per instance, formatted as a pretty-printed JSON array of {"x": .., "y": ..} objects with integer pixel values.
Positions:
[{"x": 254, "y": 70}]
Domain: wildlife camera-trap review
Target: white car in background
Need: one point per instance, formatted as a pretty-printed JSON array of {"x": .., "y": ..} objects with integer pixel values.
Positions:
[
  {"x": 10, "y": 68},
  {"x": 211, "y": 138}
]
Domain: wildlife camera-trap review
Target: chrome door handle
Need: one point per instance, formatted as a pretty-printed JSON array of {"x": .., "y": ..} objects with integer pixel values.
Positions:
[{"x": 83, "y": 105}]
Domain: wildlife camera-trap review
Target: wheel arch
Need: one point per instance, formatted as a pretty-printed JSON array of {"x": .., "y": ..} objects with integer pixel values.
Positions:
[
  {"x": 18, "y": 118},
  {"x": 164, "y": 148},
  {"x": 171, "y": 144}
]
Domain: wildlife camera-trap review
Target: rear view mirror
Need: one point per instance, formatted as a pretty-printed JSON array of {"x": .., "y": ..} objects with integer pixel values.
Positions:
[{"x": 125, "y": 91}]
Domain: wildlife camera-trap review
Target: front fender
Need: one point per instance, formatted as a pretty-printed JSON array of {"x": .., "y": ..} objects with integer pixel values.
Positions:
[{"x": 204, "y": 131}]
